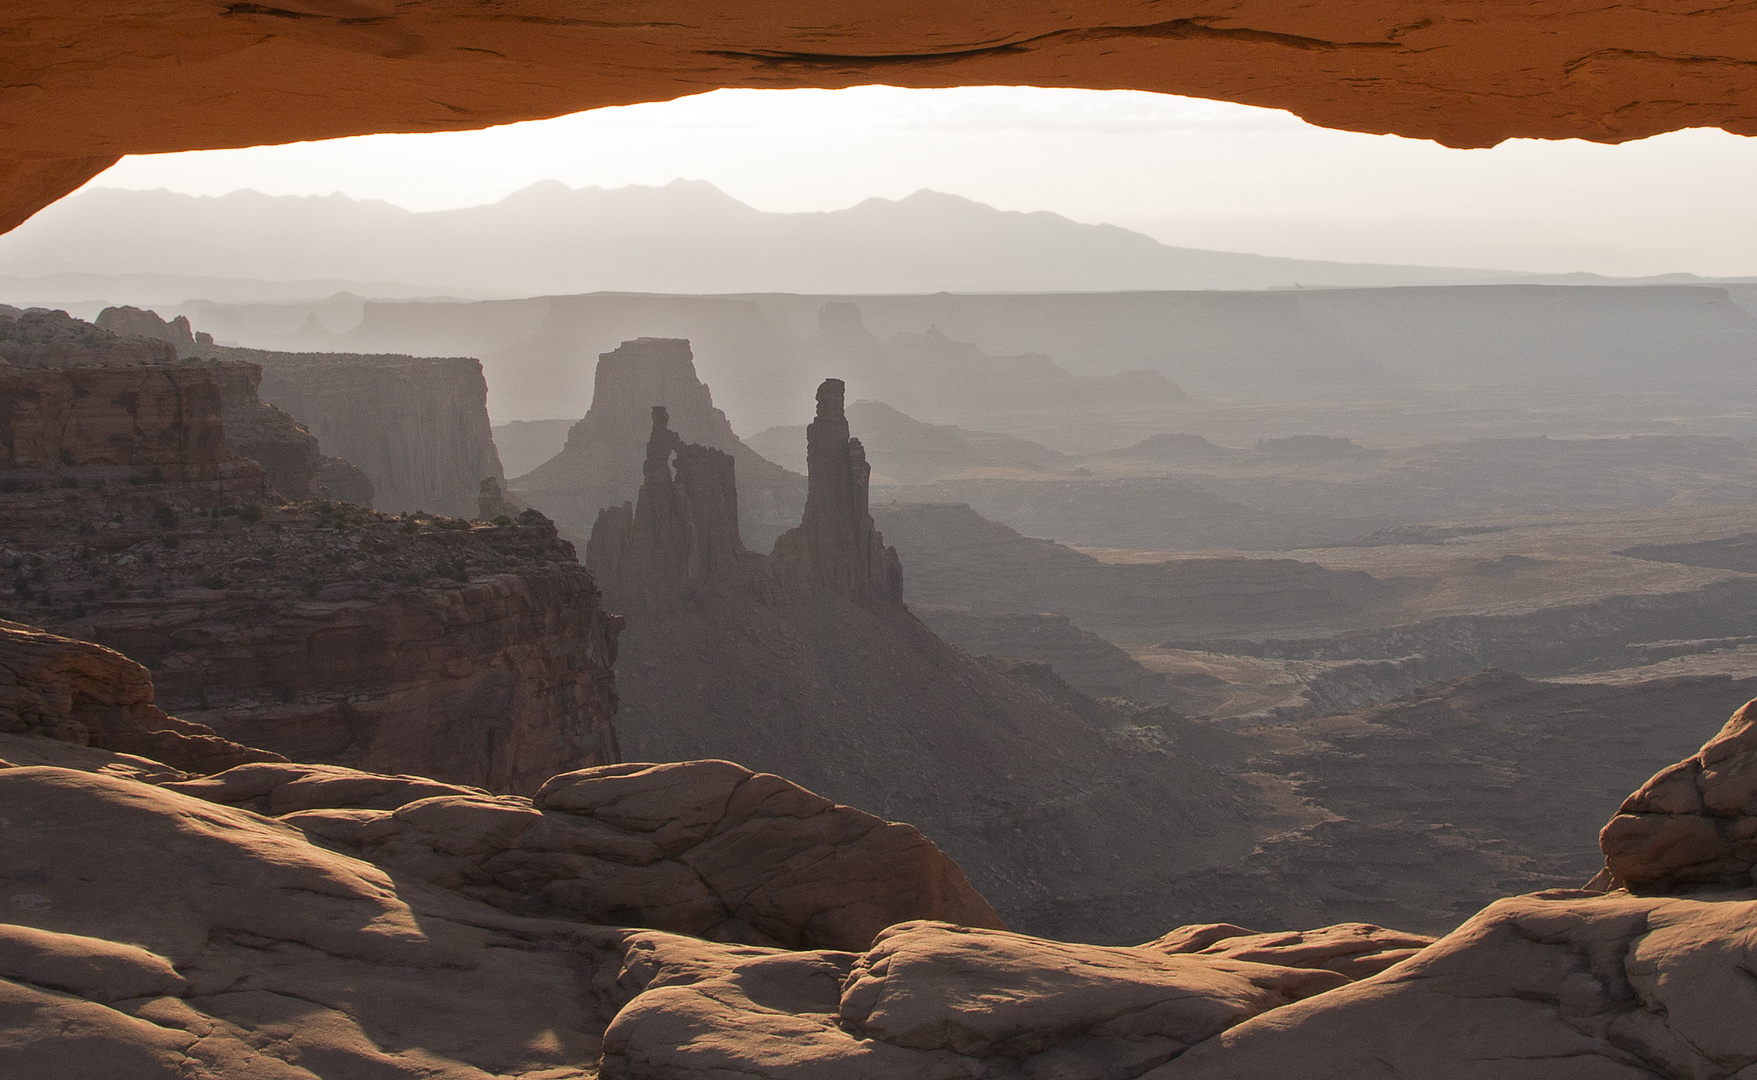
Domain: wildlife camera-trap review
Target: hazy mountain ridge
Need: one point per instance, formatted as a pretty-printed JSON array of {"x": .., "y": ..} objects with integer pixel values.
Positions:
[{"x": 687, "y": 236}]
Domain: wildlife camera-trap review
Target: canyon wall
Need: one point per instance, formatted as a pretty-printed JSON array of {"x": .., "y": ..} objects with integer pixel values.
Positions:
[
  {"x": 332, "y": 632},
  {"x": 416, "y": 427}
]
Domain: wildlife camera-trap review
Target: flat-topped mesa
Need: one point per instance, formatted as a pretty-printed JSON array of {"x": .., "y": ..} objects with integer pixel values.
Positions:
[
  {"x": 837, "y": 548},
  {"x": 681, "y": 536}
]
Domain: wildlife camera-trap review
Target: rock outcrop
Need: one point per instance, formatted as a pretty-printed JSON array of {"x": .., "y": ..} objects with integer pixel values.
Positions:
[
  {"x": 133, "y": 322},
  {"x": 681, "y": 538},
  {"x": 254, "y": 429},
  {"x": 705, "y": 848},
  {"x": 1694, "y": 824},
  {"x": 933, "y": 1001},
  {"x": 601, "y": 465},
  {"x": 40, "y": 338},
  {"x": 416, "y": 427},
  {"x": 1547, "y": 987},
  {"x": 67, "y": 415},
  {"x": 836, "y": 548},
  {"x": 71, "y": 691}
]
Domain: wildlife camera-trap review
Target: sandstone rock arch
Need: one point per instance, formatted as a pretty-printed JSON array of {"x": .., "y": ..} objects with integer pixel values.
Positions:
[{"x": 81, "y": 84}]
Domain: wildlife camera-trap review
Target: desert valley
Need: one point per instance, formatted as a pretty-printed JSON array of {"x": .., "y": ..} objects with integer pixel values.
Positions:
[{"x": 625, "y": 634}]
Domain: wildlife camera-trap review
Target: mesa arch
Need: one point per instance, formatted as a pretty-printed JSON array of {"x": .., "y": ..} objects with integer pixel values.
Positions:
[{"x": 82, "y": 84}]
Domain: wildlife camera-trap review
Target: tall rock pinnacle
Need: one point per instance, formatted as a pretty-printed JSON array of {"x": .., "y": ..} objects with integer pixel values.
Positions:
[{"x": 837, "y": 548}]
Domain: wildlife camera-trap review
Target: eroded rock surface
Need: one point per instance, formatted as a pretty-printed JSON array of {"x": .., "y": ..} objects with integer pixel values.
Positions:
[
  {"x": 476, "y": 654},
  {"x": 1694, "y": 823},
  {"x": 705, "y": 848},
  {"x": 71, "y": 691},
  {"x": 933, "y": 1000},
  {"x": 1553, "y": 986},
  {"x": 681, "y": 537},
  {"x": 129, "y": 321},
  {"x": 150, "y": 934}
]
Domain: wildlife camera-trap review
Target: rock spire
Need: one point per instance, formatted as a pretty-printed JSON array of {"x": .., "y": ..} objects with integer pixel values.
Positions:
[
  {"x": 681, "y": 535},
  {"x": 837, "y": 548}
]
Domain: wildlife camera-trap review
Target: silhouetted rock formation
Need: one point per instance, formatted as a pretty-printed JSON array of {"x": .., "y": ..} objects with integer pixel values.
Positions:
[
  {"x": 681, "y": 536},
  {"x": 836, "y": 548},
  {"x": 133, "y": 322},
  {"x": 601, "y": 464},
  {"x": 417, "y": 427},
  {"x": 72, "y": 691}
]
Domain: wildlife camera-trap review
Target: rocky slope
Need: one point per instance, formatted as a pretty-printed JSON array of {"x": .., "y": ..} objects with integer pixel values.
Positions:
[
  {"x": 600, "y": 465},
  {"x": 417, "y": 427}
]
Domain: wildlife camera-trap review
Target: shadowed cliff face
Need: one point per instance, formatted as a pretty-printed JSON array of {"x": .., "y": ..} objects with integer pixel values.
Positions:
[
  {"x": 416, "y": 427},
  {"x": 476, "y": 654}
]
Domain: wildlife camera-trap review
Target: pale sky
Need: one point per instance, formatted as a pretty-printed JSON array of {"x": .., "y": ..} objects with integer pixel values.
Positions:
[{"x": 1188, "y": 172}]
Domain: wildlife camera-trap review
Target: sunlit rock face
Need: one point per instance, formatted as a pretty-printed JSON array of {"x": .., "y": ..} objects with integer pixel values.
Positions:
[{"x": 89, "y": 82}]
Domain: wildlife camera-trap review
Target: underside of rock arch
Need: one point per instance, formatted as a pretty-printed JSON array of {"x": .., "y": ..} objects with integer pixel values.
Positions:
[{"x": 82, "y": 84}]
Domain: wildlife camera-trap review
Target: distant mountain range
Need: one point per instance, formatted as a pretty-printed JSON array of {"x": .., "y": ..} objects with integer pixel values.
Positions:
[{"x": 684, "y": 237}]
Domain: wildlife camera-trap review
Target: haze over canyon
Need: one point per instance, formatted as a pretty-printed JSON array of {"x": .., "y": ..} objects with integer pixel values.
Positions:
[{"x": 622, "y": 634}]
